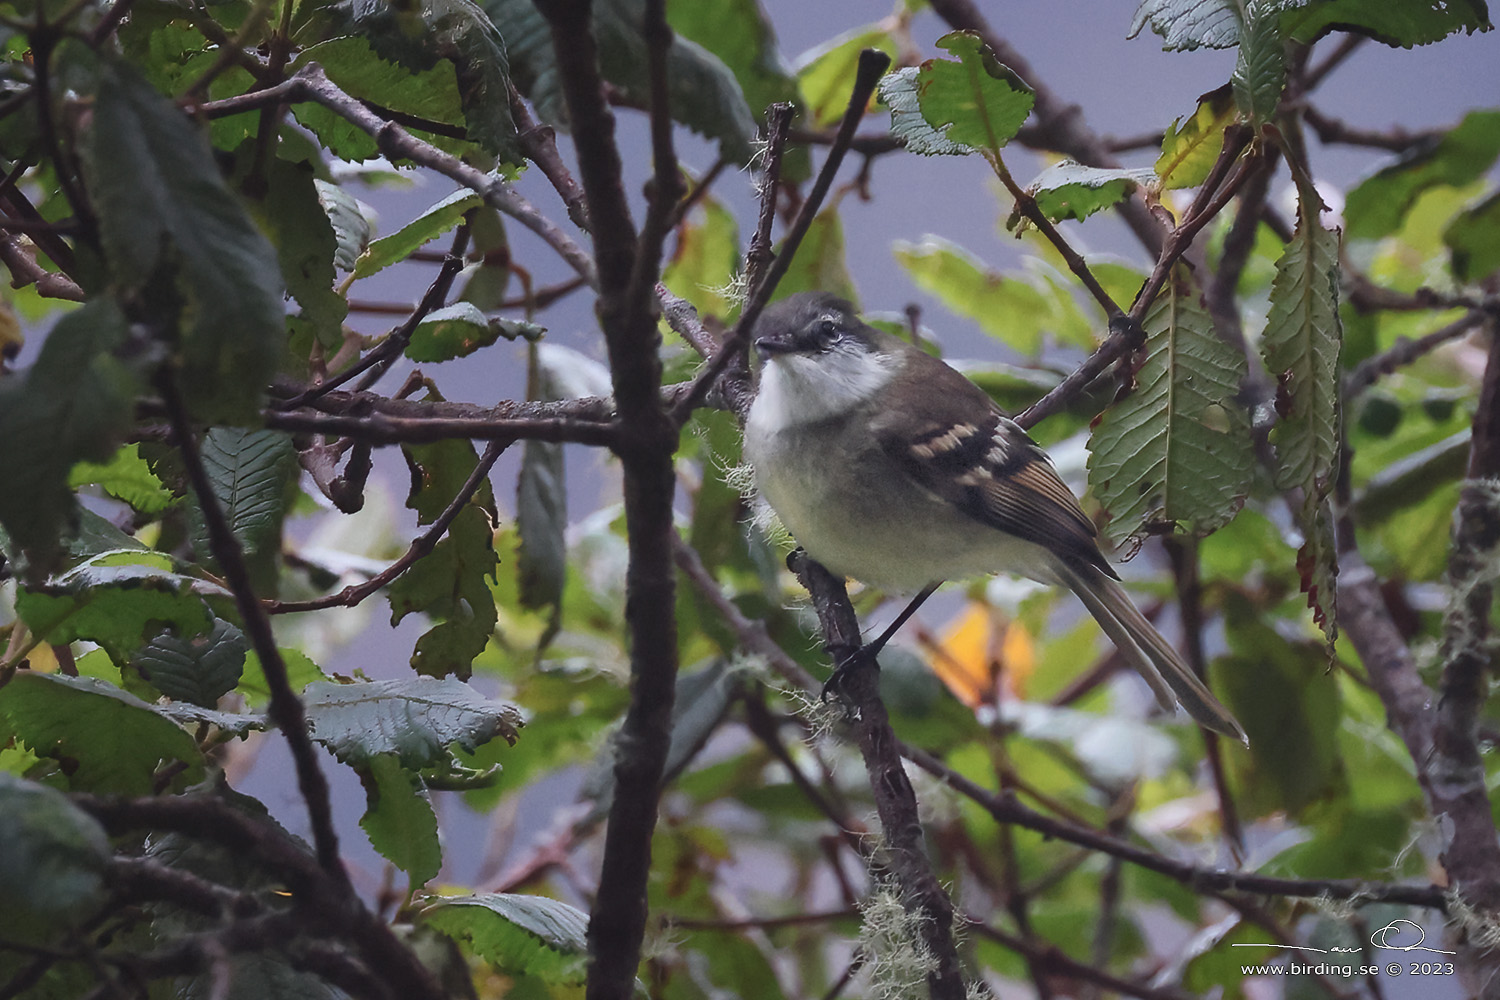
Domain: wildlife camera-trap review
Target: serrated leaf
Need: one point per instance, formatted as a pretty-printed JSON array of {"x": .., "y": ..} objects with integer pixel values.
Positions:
[
  {"x": 162, "y": 204},
  {"x": 1018, "y": 310},
  {"x": 826, "y": 71},
  {"x": 351, "y": 227},
  {"x": 899, "y": 92},
  {"x": 454, "y": 331},
  {"x": 541, "y": 502},
  {"x": 529, "y": 935},
  {"x": 1177, "y": 449},
  {"x": 1191, "y": 146},
  {"x": 426, "y": 34},
  {"x": 399, "y": 819},
  {"x": 1397, "y": 24},
  {"x": 703, "y": 93},
  {"x": 428, "y": 226},
  {"x": 117, "y": 599},
  {"x": 1260, "y": 66},
  {"x": 1377, "y": 206},
  {"x": 1070, "y": 190},
  {"x": 1473, "y": 240},
  {"x": 105, "y": 739},
  {"x": 71, "y": 406},
  {"x": 1185, "y": 25},
  {"x": 53, "y": 867},
  {"x": 417, "y": 719},
  {"x": 976, "y": 101},
  {"x": 450, "y": 582},
  {"x": 250, "y": 472},
  {"x": 1301, "y": 345},
  {"x": 195, "y": 669},
  {"x": 127, "y": 478}
]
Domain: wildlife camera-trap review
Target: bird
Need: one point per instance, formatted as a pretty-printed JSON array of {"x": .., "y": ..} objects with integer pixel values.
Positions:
[{"x": 890, "y": 467}]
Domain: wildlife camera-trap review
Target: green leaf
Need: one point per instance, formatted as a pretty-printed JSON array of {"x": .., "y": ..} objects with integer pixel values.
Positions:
[
  {"x": 1070, "y": 190},
  {"x": 1190, "y": 147},
  {"x": 425, "y": 34},
  {"x": 292, "y": 214},
  {"x": 825, "y": 73},
  {"x": 541, "y": 500},
  {"x": 1288, "y": 701},
  {"x": 351, "y": 227},
  {"x": 127, "y": 478},
  {"x": 1379, "y": 204},
  {"x": 1400, "y": 24},
  {"x": 429, "y": 95},
  {"x": 1260, "y": 67},
  {"x": 428, "y": 226},
  {"x": 105, "y": 740},
  {"x": 399, "y": 819},
  {"x": 1473, "y": 240},
  {"x": 1301, "y": 346},
  {"x": 53, "y": 867},
  {"x": 301, "y": 672},
  {"x": 1185, "y": 25},
  {"x": 740, "y": 35},
  {"x": 250, "y": 472},
  {"x": 118, "y": 599},
  {"x": 704, "y": 95},
  {"x": 899, "y": 91},
  {"x": 197, "y": 669},
  {"x": 1018, "y": 310},
  {"x": 454, "y": 331},
  {"x": 71, "y": 406},
  {"x": 417, "y": 719},
  {"x": 1177, "y": 449},
  {"x": 450, "y": 582},
  {"x": 163, "y": 207},
  {"x": 976, "y": 101},
  {"x": 529, "y": 935},
  {"x": 819, "y": 264}
]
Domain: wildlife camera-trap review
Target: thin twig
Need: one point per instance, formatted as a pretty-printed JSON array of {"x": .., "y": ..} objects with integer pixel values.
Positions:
[
  {"x": 285, "y": 708},
  {"x": 420, "y": 546},
  {"x": 872, "y": 65}
]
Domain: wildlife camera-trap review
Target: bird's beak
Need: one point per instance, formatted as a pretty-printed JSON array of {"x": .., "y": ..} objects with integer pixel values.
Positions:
[{"x": 774, "y": 344}]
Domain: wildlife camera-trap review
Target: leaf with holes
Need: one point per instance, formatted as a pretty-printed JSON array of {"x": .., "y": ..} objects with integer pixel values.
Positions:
[
  {"x": 1301, "y": 346},
  {"x": 1176, "y": 451},
  {"x": 1192, "y": 145}
]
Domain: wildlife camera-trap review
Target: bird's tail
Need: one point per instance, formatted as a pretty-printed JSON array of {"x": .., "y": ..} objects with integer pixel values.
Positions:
[{"x": 1170, "y": 678}]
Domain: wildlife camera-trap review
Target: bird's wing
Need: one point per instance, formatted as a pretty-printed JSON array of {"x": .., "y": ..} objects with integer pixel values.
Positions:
[{"x": 989, "y": 468}]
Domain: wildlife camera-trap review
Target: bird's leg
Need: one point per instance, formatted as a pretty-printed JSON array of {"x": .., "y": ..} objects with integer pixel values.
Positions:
[{"x": 866, "y": 654}]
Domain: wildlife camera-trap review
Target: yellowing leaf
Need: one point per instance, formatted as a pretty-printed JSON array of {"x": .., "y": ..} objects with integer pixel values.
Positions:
[
  {"x": 1191, "y": 146},
  {"x": 979, "y": 649}
]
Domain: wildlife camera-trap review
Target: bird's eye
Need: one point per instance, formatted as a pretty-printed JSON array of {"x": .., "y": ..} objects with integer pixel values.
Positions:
[{"x": 825, "y": 333}]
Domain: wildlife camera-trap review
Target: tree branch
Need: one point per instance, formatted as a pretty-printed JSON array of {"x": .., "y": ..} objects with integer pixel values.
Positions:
[
  {"x": 896, "y": 803},
  {"x": 285, "y": 708}
]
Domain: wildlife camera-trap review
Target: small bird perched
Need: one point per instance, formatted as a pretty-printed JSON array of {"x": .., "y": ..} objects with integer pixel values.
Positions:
[{"x": 890, "y": 467}]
